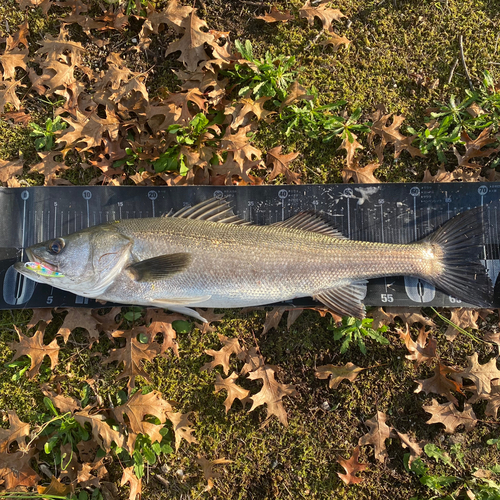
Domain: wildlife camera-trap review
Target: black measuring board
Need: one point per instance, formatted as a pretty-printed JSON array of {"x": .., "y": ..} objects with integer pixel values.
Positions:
[{"x": 390, "y": 213}]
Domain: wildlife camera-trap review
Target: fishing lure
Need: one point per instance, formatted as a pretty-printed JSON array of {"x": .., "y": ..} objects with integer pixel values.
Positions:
[{"x": 43, "y": 270}]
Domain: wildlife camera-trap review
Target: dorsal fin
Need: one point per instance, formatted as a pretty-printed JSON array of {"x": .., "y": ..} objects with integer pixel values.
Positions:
[
  {"x": 311, "y": 221},
  {"x": 212, "y": 210}
]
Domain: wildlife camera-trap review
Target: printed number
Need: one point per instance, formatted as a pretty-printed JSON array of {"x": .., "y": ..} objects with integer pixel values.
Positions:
[
  {"x": 415, "y": 191},
  {"x": 386, "y": 297},
  {"x": 482, "y": 190},
  {"x": 453, "y": 300},
  {"x": 50, "y": 299},
  {"x": 152, "y": 195},
  {"x": 87, "y": 195}
]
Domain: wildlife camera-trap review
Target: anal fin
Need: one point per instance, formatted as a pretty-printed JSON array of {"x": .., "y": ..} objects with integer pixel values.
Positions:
[{"x": 345, "y": 299}]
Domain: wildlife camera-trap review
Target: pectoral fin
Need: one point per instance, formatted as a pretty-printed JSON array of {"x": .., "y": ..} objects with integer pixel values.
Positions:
[
  {"x": 161, "y": 267},
  {"x": 345, "y": 299}
]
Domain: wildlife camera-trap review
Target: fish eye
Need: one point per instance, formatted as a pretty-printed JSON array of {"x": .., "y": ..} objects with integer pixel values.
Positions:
[{"x": 56, "y": 246}]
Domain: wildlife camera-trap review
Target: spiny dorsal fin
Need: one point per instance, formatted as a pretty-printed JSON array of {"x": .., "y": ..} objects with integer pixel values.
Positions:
[
  {"x": 212, "y": 210},
  {"x": 311, "y": 221},
  {"x": 345, "y": 299},
  {"x": 161, "y": 267}
]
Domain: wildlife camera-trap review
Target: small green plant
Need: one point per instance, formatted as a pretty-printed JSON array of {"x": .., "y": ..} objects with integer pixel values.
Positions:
[
  {"x": 322, "y": 122},
  {"x": 453, "y": 487},
  {"x": 200, "y": 130},
  {"x": 357, "y": 330},
  {"x": 45, "y": 136},
  {"x": 269, "y": 76},
  {"x": 480, "y": 109},
  {"x": 130, "y": 160}
]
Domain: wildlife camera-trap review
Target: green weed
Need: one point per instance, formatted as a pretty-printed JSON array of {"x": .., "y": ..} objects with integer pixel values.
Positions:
[
  {"x": 269, "y": 76},
  {"x": 45, "y": 136},
  {"x": 357, "y": 330}
]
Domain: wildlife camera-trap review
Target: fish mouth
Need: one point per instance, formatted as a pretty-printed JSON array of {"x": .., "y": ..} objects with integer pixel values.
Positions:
[{"x": 32, "y": 257}]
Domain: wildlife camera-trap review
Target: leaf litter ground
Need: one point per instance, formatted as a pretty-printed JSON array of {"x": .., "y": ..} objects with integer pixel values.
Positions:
[{"x": 116, "y": 90}]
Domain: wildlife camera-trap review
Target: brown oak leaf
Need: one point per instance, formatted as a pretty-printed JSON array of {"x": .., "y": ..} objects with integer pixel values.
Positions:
[
  {"x": 102, "y": 432},
  {"x": 208, "y": 469},
  {"x": 357, "y": 174},
  {"x": 253, "y": 360},
  {"x": 493, "y": 399},
  {"x": 280, "y": 164},
  {"x": 234, "y": 391},
  {"x": 12, "y": 59},
  {"x": 415, "y": 447},
  {"x": 379, "y": 432},
  {"x": 473, "y": 148},
  {"x": 276, "y": 16},
  {"x": 245, "y": 108},
  {"x": 192, "y": 43},
  {"x": 338, "y": 373},
  {"x": 464, "y": 318},
  {"x": 181, "y": 427},
  {"x": 221, "y": 357},
  {"x": 44, "y": 315},
  {"x": 272, "y": 392},
  {"x": 273, "y": 318},
  {"x": 18, "y": 431},
  {"x": 136, "y": 409},
  {"x": 450, "y": 417},
  {"x": 351, "y": 467},
  {"x": 132, "y": 355},
  {"x": 9, "y": 169},
  {"x": 390, "y": 134},
  {"x": 8, "y": 94},
  {"x": 55, "y": 488},
  {"x": 16, "y": 471},
  {"x": 135, "y": 483},
  {"x": 78, "y": 317},
  {"x": 63, "y": 403},
  {"x": 440, "y": 384},
  {"x": 49, "y": 167},
  {"x": 481, "y": 375},
  {"x": 336, "y": 41},
  {"x": 459, "y": 174},
  {"x": 421, "y": 351},
  {"x": 296, "y": 92},
  {"x": 35, "y": 349},
  {"x": 324, "y": 14},
  {"x": 408, "y": 315}
]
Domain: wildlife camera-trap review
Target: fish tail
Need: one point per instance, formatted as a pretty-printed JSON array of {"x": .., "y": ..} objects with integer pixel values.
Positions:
[{"x": 463, "y": 275}]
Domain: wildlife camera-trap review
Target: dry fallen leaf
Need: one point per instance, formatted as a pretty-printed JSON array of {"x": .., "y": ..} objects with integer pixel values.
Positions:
[
  {"x": 233, "y": 391},
  {"x": 481, "y": 375},
  {"x": 379, "y": 432},
  {"x": 35, "y": 349},
  {"x": 134, "y": 482},
  {"x": 338, "y": 373},
  {"x": 221, "y": 357},
  {"x": 351, "y": 466},
  {"x": 16, "y": 471},
  {"x": 464, "y": 318},
  {"x": 280, "y": 164},
  {"x": 79, "y": 317},
  {"x": 132, "y": 356},
  {"x": 357, "y": 174},
  {"x": 450, "y": 417},
  {"x": 324, "y": 14},
  {"x": 415, "y": 448},
  {"x": 390, "y": 134},
  {"x": 276, "y": 16},
  {"x": 421, "y": 351},
  {"x": 272, "y": 392},
  {"x": 208, "y": 469},
  {"x": 18, "y": 431},
  {"x": 440, "y": 384},
  {"x": 181, "y": 427}
]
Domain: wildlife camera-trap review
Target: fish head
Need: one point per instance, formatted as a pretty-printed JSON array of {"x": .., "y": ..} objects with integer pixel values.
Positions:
[{"x": 84, "y": 263}]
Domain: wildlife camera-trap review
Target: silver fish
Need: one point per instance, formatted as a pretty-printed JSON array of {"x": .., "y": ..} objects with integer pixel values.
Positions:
[{"x": 205, "y": 256}]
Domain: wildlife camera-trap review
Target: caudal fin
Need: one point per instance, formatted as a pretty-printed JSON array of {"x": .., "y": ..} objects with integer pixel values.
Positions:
[{"x": 464, "y": 276}]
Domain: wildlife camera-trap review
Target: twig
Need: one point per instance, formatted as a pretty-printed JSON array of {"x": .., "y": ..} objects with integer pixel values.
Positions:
[
  {"x": 312, "y": 42},
  {"x": 460, "y": 43},
  {"x": 256, "y": 4},
  {"x": 162, "y": 480},
  {"x": 452, "y": 70}
]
